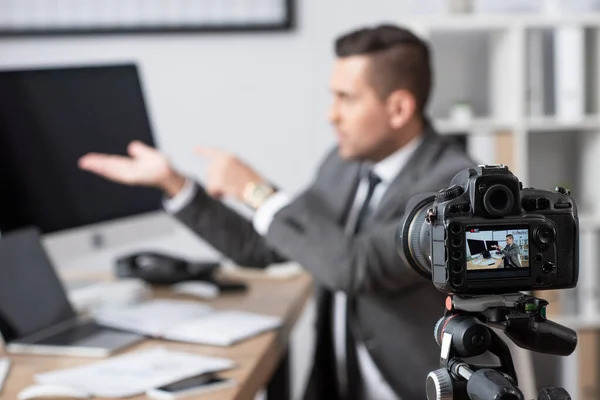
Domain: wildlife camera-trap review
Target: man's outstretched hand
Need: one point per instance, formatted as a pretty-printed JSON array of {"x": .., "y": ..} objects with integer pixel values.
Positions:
[
  {"x": 227, "y": 175},
  {"x": 145, "y": 166}
]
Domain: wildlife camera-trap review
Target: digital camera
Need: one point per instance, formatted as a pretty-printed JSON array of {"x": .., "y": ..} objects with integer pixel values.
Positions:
[{"x": 485, "y": 234}]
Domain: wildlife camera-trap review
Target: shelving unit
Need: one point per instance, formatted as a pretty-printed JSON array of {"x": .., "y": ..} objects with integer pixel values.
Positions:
[{"x": 494, "y": 63}]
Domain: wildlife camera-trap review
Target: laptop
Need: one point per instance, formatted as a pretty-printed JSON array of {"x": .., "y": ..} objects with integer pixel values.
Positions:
[{"x": 35, "y": 314}]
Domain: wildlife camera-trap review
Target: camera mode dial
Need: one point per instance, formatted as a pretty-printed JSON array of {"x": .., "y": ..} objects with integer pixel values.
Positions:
[{"x": 449, "y": 193}]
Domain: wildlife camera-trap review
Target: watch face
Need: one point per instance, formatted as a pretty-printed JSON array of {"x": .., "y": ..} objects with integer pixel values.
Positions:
[
  {"x": 258, "y": 194},
  {"x": 262, "y": 191}
]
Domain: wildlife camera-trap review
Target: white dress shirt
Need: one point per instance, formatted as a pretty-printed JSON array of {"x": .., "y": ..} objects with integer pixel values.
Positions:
[{"x": 374, "y": 385}]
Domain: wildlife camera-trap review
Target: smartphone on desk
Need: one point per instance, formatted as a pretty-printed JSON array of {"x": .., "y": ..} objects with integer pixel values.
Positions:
[{"x": 191, "y": 386}]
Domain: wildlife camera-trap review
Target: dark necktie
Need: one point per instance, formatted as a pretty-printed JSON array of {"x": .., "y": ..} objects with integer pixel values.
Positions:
[
  {"x": 374, "y": 180},
  {"x": 353, "y": 378}
]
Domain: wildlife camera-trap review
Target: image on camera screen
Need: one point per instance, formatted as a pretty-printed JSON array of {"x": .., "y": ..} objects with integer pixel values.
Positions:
[{"x": 506, "y": 249}]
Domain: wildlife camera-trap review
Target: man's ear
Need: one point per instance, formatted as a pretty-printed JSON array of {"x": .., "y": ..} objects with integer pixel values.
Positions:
[{"x": 401, "y": 107}]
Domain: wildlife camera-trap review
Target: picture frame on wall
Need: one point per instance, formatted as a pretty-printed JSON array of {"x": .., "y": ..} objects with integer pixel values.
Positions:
[{"x": 66, "y": 17}]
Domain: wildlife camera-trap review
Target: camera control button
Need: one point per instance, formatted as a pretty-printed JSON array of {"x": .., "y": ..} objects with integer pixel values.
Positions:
[
  {"x": 457, "y": 281},
  {"x": 543, "y": 204},
  {"x": 529, "y": 204},
  {"x": 562, "y": 205},
  {"x": 539, "y": 257},
  {"x": 548, "y": 267}
]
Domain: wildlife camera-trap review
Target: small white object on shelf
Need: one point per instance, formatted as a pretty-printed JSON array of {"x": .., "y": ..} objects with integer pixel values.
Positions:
[
  {"x": 461, "y": 113},
  {"x": 460, "y": 6}
]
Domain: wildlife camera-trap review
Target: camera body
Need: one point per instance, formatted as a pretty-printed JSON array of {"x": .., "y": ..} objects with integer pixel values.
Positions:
[{"x": 489, "y": 235}]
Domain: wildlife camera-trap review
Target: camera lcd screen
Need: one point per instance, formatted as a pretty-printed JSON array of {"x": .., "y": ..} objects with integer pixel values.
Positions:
[{"x": 504, "y": 251}]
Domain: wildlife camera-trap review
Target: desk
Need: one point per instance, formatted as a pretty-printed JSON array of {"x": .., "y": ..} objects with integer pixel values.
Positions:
[
  {"x": 262, "y": 361},
  {"x": 498, "y": 263}
]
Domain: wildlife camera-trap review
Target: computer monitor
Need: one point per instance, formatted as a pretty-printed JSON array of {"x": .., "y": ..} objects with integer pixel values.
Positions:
[
  {"x": 51, "y": 117},
  {"x": 490, "y": 243},
  {"x": 476, "y": 246}
]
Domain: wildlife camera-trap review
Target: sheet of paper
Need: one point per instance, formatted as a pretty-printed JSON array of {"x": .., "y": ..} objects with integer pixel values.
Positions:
[
  {"x": 222, "y": 328},
  {"x": 4, "y": 369},
  {"x": 134, "y": 373},
  {"x": 152, "y": 317}
]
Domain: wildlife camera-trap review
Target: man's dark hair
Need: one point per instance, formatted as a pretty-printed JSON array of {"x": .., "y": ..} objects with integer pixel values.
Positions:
[
  {"x": 400, "y": 60},
  {"x": 510, "y": 236}
]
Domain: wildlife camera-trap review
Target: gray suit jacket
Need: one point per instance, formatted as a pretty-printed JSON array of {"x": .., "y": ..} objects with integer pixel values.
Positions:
[
  {"x": 395, "y": 309},
  {"x": 511, "y": 255}
]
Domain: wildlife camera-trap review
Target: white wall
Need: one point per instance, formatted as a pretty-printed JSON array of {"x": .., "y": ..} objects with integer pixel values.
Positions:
[
  {"x": 264, "y": 96},
  {"x": 261, "y": 95}
]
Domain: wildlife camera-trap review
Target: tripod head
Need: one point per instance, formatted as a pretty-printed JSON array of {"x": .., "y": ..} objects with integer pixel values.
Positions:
[{"x": 464, "y": 332}]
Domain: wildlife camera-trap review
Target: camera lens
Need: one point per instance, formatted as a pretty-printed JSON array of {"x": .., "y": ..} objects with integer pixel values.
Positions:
[
  {"x": 457, "y": 255},
  {"x": 456, "y": 242},
  {"x": 545, "y": 234},
  {"x": 455, "y": 228},
  {"x": 457, "y": 268},
  {"x": 498, "y": 200}
]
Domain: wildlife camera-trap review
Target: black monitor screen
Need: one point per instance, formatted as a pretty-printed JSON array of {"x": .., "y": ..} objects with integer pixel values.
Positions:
[
  {"x": 476, "y": 246},
  {"x": 48, "y": 120}
]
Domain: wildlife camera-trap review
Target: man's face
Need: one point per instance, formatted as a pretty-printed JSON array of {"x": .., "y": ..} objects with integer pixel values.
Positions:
[
  {"x": 509, "y": 241},
  {"x": 359, "y": 116}
]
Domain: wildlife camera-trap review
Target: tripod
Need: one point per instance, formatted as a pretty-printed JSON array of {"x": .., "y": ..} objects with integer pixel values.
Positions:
[{"x": 464, "y": 331}]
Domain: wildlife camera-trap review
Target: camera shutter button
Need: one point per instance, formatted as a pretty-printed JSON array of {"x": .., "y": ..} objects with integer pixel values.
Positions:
[{"x": 562, "y": 190}]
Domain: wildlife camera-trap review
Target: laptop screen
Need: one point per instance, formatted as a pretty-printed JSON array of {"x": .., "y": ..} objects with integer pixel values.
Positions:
[{"x": 31, "y": 295}]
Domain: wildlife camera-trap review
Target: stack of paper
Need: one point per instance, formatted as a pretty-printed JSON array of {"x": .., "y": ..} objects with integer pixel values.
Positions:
[
  {"x": 135, "y": 373},
  {"x": 4, "y": 369},
  {"x": 188, "y": 321}
]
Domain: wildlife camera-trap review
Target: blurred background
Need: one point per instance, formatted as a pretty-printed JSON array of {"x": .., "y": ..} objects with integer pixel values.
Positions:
[{"x": 516, "y": 82}]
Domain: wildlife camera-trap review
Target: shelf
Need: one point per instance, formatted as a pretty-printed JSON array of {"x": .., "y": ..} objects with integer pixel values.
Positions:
[
  {"x": 489, "y": 125},
  {"x": 482, "y": 125},
  {"x": 552, "y": 124},
  {"x": 478, "y": 22}
]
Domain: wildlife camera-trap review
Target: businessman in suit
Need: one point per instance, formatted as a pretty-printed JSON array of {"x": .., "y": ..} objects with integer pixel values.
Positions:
[
  {"x": 510, "y": 253},
  {"x": 374, "y": 314}
]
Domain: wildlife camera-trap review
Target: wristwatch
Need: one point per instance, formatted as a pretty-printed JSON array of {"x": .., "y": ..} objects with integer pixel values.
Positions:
[{"x": 255, "y": 194}]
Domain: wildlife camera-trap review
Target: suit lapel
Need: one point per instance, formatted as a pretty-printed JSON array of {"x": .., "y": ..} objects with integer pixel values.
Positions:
[
  {"x": 346, "y": 190},
  {"x": 402, "y": 187}
]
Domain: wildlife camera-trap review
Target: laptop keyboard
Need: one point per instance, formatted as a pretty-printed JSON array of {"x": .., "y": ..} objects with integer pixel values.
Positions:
[{"x": 73, "y": 334}]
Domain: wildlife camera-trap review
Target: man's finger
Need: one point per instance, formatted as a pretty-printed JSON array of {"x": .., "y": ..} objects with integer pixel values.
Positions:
[
  {"x": 209, "y": 152},
  {"x": 116, "y": 168},
  {"x": 137, "y": 148}
]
